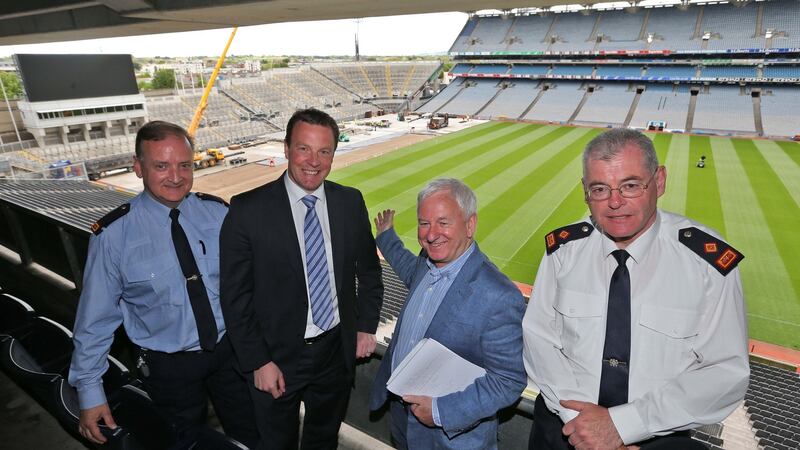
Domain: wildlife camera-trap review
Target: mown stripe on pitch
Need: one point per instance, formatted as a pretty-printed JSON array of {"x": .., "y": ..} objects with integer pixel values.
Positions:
[
  {"x": 702, "y": 192},
  {"x": 784, "y": 167},
  {"x": 526, "y": 204},
  {"x": 407, "y": 157},
  {"x": 522, "y": 266},
  {"x": 677, "y": 164},
  {"x": 766, "y": 282},
  {"x": 433, "y": 165},
  {"x": 780, "y": 212},
  {"x": 792, "y": 149},
  {"x": 405, "y": 203}
]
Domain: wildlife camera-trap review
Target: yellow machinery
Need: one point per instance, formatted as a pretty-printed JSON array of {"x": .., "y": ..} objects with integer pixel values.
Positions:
[
  {"x": 209, "y": 158},
  {"x": 213, "y": 155}
]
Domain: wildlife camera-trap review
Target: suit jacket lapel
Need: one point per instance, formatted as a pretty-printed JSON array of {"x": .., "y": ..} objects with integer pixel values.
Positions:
[
  {"x": 279, "y": 213},
  {"x": 336, "y": 220}
]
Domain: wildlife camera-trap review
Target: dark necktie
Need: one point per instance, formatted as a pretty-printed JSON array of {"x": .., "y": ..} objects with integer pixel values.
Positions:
[
  {"x": 203, "y": 316},
  {"x": 617, "y": 348}
]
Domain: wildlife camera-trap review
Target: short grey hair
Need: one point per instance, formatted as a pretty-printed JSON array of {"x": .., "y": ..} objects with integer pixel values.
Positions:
[
  {"x": 460, "y": 192},
  {"x": 609, "y": 144}
]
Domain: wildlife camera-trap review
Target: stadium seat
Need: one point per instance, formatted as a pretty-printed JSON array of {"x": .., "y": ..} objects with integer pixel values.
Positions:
[
  {"x": 143, "y": 424},
  {"x": 38, "y": 359},
  {"x": 15, "y": 316},
  {"x": 67, "y": 409}
]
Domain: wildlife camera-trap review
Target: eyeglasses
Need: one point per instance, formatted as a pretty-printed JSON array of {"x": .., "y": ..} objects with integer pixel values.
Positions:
[{"x": 628, "y": 189}]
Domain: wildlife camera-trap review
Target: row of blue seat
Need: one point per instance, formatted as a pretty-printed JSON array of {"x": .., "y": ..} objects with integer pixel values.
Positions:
[
  {"x": 629, "y": 70},
  {"x": 35, "y": 352}
]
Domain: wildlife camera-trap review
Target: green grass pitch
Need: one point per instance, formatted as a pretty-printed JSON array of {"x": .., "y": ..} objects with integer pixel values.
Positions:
[{"x": 527, "y": 177}]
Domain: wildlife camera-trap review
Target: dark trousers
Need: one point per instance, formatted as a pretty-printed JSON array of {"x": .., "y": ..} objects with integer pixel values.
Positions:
[
  {"x": 322, "y": 383},
  {"x": 546, "y": 434},
  {"x": 399, "y": 414},
  {"x": 181, "y": 383}
]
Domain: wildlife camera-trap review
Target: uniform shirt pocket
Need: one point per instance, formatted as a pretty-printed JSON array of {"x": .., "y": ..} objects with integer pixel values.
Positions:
[
  {"x": 578, "y": 320},
  {"x": 153, "y": 282},
  {"x": 668, "y": 333}
]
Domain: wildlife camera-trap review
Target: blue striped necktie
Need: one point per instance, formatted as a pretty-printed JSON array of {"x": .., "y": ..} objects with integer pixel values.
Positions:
[{"x": 319, "y": 286}]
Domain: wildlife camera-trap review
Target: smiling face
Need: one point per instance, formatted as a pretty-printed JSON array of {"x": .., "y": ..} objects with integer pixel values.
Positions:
[
  {"x": 442, "y": 230},
  {"x": 624, "y": 219},
  {"x": 310, "y": 155},
  {"x": 165, "y": 167}
]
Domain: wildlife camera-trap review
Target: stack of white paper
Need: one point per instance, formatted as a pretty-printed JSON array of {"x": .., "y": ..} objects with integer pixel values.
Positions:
[{"x": 434, "y": 370}]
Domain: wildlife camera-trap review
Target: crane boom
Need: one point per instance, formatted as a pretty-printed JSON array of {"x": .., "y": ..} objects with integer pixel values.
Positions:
[{"x": 201, "y": 106}]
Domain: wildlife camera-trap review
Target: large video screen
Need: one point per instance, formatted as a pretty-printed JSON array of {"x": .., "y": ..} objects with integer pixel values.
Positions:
[{"x": 64, "y": 77}]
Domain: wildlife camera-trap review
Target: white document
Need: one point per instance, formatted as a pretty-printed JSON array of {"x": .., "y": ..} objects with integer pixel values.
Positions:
[{"x": 434, "y": 370}]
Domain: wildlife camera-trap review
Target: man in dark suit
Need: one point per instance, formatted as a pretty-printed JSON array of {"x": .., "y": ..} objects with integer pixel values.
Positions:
[{"x": 291, "y": 251}]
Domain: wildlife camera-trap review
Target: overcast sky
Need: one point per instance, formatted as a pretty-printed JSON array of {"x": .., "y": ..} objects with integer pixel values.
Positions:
[{"x": 396, "y": 35}]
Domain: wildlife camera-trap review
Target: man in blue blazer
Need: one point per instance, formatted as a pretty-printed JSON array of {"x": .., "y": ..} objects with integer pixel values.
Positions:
[{"x": 460, "y": 299}]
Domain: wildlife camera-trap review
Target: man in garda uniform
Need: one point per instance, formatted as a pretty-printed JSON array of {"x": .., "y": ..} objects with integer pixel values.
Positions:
[
  {"x": 153, "y": 266},
  {"x": 636, "y": 330}
]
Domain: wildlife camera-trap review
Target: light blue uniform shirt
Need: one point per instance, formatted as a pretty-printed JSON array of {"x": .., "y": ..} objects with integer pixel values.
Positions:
[
  {"x": 422, "y": 306},
  {"x": 132, "y": 277}
]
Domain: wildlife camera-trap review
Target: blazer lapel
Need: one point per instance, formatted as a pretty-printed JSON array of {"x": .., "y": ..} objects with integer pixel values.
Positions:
[
  {"x": 279, "y": 213},
  {"x": 337, "y": 220}
]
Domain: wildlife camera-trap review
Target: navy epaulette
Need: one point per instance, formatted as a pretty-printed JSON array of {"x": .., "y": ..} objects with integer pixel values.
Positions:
[
  {"x": 213, "y": 198},
  {"x": 109, "y": 218},
  {"x": 720, "y": 255},
  {"x": 558, "y": 237}
]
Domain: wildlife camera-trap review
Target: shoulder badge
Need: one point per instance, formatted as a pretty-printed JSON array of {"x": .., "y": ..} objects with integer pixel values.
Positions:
[
  {"x": 109, "y": 218},
  {"x": 213, "y": 198},
  {"x": 556, "y": 238},
  {"x": 720, "y": 255}
]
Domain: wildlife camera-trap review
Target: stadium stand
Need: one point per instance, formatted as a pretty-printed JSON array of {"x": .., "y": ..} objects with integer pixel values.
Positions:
[
  {"x": 238, "y": 110},
  {"x": 732, "y": 26},
  {"x": 608, "y": 104},
  {"x": 525, "y": 69},
  {"x": 490, "y": 68},
  {"x": 453, "y": 89},
  {"x": 619, "y": 72},
  {"x": 572, "y": 32},
  {"x": 528, "y": 33},
  {"x": 772, "y": 403},
  {"x": 618, "y": 31},
  {"x": 472, "y": 98},
  {"x": 585, "y": 70},
  {"x": 782, "y": 71},
  {"x": 672, "y": 29},
  {"x": 705, "y": 46},
  {"x": 782, "y": 21},
  {"x": 512, "y": 101},
  {"x": 777, "y": 104},
  {"x": 727, "y": 72},
  {"x": 662, "y": 102},
  {"x": 557, "y": 103},
  {"x": 488, "y": 34},
  {"x": 670, "y": 72},
  {"x": 713, "y": 111}
]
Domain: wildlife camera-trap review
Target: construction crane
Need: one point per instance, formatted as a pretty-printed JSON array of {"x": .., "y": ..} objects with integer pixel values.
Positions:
[{"x": 201, "y": 106}]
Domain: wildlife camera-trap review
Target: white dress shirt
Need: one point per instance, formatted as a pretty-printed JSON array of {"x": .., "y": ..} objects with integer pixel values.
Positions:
[
  {"x": 689, "y": 361},
  {"x": 296, "y": 194}
]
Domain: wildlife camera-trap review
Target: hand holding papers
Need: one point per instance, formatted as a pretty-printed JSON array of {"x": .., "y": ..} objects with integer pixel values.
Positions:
[{"x": 434, "y": 370}]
